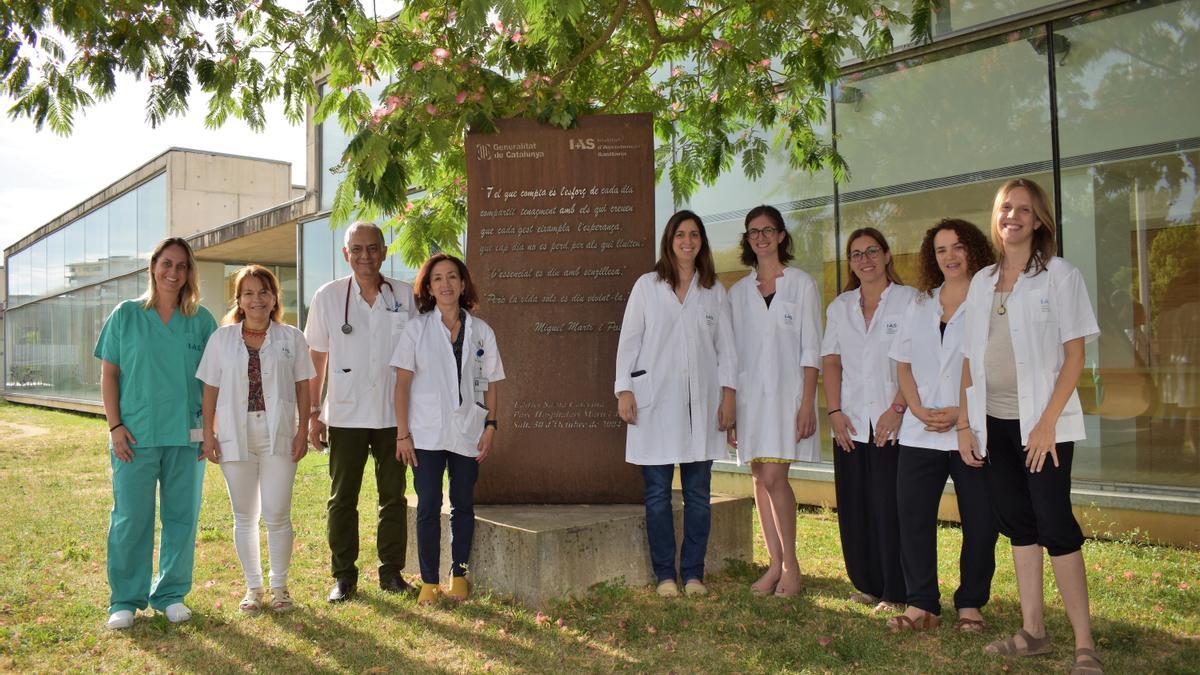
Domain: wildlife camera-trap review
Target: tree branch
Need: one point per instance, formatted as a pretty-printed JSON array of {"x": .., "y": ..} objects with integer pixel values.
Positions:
[{"x": 599, "y": 42}]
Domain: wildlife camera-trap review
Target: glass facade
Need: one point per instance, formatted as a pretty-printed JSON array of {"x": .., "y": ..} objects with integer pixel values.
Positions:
[
  {"x": 63, "y": 286},
  {"x": 934, "y": 136},
  {"x": 109, "y": 241},
  {"x": 50, "y": 342}
]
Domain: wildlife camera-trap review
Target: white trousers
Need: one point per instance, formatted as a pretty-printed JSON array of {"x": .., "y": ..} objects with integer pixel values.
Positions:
[{"x": 261, "y": 484}]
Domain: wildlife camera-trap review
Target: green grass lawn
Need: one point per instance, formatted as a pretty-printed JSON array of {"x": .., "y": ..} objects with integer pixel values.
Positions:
[{"x": 53, "y": 594}]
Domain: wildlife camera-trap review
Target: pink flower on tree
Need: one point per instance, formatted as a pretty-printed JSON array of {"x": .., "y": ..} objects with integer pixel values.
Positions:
[
  {"x": 440, "y": 55},
  {"x": 416, "y": 67},
  {"x": 462, "y": 96},
  {"x": 431, "y": 109}
]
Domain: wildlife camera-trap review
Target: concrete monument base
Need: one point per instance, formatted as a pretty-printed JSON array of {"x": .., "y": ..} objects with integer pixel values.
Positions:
[{"x": 536, "y": 553}]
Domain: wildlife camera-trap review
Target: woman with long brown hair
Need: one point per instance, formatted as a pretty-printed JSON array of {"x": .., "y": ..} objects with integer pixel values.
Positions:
[
  {"x": 676, "y": 375},
  {"x": 865, "y": 407},
  {"x": 255, "y": 371},
  {"x": 149, "y": 348}
]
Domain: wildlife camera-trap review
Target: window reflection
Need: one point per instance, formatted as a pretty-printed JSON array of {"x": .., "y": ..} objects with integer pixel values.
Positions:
[{"x": 1131, "y": 223}]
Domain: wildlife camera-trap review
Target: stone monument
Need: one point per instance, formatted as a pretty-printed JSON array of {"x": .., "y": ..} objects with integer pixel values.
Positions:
[{"x": 559, "y": 226}]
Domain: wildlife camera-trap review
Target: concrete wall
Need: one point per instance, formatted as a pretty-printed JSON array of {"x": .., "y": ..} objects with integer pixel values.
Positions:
[{"x": 206, "y": 190}]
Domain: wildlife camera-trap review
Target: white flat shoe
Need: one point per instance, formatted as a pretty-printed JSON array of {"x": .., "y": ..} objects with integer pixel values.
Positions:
[
  {"x": 121, "y": 619},
  {"x": 178, "y": 612}
]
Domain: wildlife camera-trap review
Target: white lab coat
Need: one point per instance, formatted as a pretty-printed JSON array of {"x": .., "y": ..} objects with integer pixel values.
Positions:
[
  {"x": 284, "y": 360},
  {"x": 687, "y": 353},
  {"x": 1044, "y": 311},
  {"x": 360, "y": 385},
  {"x": 436, "y": 418},
  {"x": 774, "y": 345},
  {"x": 936, "y": 362},
  {"x": 868, "y": 374}
]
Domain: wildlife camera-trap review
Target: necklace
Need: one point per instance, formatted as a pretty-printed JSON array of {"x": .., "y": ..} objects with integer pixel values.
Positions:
[
  {"x": 250, "y": 332},
  {"x": 1003, "y": 308}
]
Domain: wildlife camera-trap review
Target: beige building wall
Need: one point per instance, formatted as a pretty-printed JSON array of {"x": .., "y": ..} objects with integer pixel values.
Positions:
[{"x": 207, "y": 190}]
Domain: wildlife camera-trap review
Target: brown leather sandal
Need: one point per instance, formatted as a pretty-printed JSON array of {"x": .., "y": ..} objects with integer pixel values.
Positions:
[
  {"x": 901, "y": 623},
  {"x": 1008, "y": 646},
  {"x": 965, "y": 625},
  {"x": 1090, "y": 664}
]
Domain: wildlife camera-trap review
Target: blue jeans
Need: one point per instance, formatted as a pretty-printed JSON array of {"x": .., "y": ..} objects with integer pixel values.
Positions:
[
  {"x": 696, "y": 479},
  {"x": 427, "y": 479}
]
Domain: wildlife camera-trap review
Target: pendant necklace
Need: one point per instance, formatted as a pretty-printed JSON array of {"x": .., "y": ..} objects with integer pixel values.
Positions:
[{"x": 1003, "y": 309}]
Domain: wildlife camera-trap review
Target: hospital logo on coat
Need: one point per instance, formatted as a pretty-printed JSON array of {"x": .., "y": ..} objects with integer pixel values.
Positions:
[
  {"x": 710, "y": 320},
  {"x": 788, "y": 319},
  {"x": 893, "y": 327}
]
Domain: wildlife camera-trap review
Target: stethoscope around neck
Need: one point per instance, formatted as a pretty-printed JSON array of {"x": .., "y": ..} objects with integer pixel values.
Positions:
[{"x": 346, "y": 327}]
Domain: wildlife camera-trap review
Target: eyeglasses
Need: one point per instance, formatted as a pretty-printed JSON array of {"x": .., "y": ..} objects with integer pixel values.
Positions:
[
  {"x": 871, "y": 252},
  {"x": 756, "y": 233}
]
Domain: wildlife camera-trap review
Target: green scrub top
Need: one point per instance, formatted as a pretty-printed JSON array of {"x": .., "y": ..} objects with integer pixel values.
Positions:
[{"x": 160, "y": 395}]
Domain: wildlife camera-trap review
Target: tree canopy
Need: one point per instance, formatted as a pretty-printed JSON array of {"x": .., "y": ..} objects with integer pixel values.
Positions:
[{"x": 726, "y": 80}]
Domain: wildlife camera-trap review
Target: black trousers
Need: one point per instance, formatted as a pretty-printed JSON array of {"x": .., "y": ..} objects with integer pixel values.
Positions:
[
  {"x": 865, "y": 483},
  {"x": 920, "y": 478},
  {"x": 1031, "y": 508}
]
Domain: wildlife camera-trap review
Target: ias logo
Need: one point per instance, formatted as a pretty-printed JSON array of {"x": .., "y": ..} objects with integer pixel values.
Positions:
[{"x": 583, "y": 143}]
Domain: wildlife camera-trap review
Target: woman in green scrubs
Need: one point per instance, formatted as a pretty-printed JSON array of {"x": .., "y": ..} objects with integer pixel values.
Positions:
[{"x": 150, "y": 348}]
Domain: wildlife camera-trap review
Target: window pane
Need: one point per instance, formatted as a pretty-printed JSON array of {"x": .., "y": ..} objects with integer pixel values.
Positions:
[
  {"x": 56, "y": 280},
  {"x": 73, "y": 253},
  {"x": 122, "y": 234},
  {"x": 37, "y": 269},
  {"x": 151, "y": 216},
  {"x": 1131, "y": 223},
  {"x": 317, "y": 242},
  {"x": 95, "y": 246}
]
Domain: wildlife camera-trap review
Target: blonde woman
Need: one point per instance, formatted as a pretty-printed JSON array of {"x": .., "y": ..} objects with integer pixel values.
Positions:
[
  {"x": 149, "y": 348},
  {"x": 255, "y": 372},
  {"x": 1030, "y": 308}
]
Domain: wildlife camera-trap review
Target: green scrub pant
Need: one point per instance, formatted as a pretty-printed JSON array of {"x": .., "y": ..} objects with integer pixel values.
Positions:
[
  {"x": 348, "y": 452},
  {"x": 179, "y": 478}
]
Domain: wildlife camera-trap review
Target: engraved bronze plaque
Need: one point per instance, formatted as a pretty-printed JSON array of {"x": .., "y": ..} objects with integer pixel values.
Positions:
[{"x": 560, "y": 225}]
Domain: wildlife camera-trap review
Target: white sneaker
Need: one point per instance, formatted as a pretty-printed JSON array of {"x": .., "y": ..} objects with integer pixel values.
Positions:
[
  {"x": 121, "y": 619},
  {"x": 695, "y": 587},
  {"x": 667, "y": 589},
  {"x": 178, "y": 612}
]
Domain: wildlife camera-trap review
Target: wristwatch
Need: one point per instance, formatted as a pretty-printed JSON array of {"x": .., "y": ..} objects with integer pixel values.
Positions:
[
  {"x": 899, "y": 408},
  {"x": 490, "y": 423}
]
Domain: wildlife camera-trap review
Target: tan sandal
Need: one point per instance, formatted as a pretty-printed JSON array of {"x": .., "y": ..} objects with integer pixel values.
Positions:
[
  {"x": 901, "y": 623},
  {"x": 1090, "y": 665},
  {"x": 965, "y": 625},
  {"x": 1008, "y": 646}
]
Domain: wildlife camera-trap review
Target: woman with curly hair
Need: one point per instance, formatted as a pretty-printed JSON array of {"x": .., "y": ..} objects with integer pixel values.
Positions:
[{"x": 928, "y": 356}]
